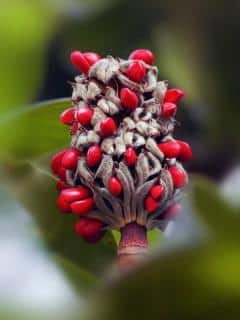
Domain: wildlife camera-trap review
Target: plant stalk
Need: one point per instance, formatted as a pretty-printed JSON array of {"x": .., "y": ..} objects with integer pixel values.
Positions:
[{"x": 133, "y": 246}]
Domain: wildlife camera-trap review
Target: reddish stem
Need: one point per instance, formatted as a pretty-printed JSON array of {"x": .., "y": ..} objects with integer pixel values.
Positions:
[{"x": 133, "y": 246}]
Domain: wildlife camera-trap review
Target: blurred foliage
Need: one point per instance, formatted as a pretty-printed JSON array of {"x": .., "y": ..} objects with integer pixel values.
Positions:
[
  {"x": 197, "y": 48},
  {"x": 25, "y": 29},
  {"x": 200, "y": 281}
]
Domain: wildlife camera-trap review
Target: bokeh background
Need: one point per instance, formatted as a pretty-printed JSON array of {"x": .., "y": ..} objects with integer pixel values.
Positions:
[{"x": 197, "y": 48}]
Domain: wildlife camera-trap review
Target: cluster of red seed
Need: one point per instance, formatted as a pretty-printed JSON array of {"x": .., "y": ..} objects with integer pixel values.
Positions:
[{"x": 80, "y": 199}]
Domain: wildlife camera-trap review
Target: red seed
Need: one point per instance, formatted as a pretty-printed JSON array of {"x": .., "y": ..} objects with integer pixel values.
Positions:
[
  {"x": 136, "y": 71},
  {"x": 178, "y": 176},
  {"x": 108, "y": 127},
  {"x": 173, "y": 95},
  {"x": 62, "y": 173},
  {"x": 88, "y": 228},
  {"x": 94, "y": 156},
  {"x": 143, "y": 54},
  {"x": 84, "y": 115},
  {"x": 80, "y": 62},
  {"x": 57, "y": 161},
  {"x": 169, "y": 109},
  {"x": 82, "y": 206},
  {"x": 67, "y": 117},
  {"x": 63, "y": 205},
  {"x": 92, "y": 57},
  {"x": 157, "y": 192},
  {"x": 70, "y": 159},
  {"x": 170, "y": 149},
  {"x": 75, "y": 194},
  {"x": 130, "y": 156},
  {"x": 150, "y": 204},
  {"x": 74, "y": 127},
  {"x": 171, "y": 212},
  {"x": 186, "y": 151},
  {"x": 114, "y": 186},
  {"x": 61, "y": 185},
  {"x": 129, "y": 99}
]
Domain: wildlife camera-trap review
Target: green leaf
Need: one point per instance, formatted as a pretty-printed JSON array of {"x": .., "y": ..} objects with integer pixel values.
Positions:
[
  {"x": 191, "y": 282},
  {"x": 35, "y": 189},
  {"x": 33, "y": 131},
  {"x": 222, "y": 219},
  {"x": 25, "y": 29}
]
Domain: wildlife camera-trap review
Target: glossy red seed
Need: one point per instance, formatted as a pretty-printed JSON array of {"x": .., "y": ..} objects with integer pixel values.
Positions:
[
  {"x": 82, "y": 206},
  {"x": 108, "y": 127},
  {"x": 169, "y": 109},
  {"x": 92, "y": 57},
  {"x": 114, "y": 186},
  {"x": 94, "y": 156},
  {"x": 129, "y": 99},
  {"x": 171, "y": 212},
  {"x": 67, "y": 117},
  {"x": 70, "y": 159},
  {"x": 130, "y": 156},
  {"x": 143, "y": 54},
  {"x": 88, "y": 228},
  {"x": 173, "y": 95},
  {"x": 57, "y": 161},
  {"x": 186, "y": 151},
  {"x": 74, "y": 127},
  {"x": 63, "y": 205},
  {"x": 157, "y": 192},
  {"x": 178, "y": 176},
  {"x": 170, "y": 149},
  {"x": 96, "y": 238},
  {"x": 84, "y": 115},
  {"x": 62, "y": 173},
  {"x": 74, "y": 194},
  {"x": 79, "y": 61},
  {"x": 61, "y": 185},
  {"x": 136, "y": 71},
  {"x": 150, "y": 204}
]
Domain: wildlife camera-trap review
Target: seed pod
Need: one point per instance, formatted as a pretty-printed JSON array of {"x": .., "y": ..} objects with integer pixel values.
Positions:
[
  {"x": 173, "y": 95},
  {"x": 136, "y": 71},
  {"x": 70, "y": 158},
  {"x": 129, "y": 99},
  {"x": 114, "y": 186},
  {"x": 178, "y": 177},
  {"x": 94, "y": 156},
  {"x": 143, "y": 54},
  {"x": 82, "y": 206},
  {"x": 67, "y": 117}
]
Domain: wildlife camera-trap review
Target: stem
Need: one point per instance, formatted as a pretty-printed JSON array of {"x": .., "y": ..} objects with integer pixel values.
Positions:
[{"x": 133, "y": 246}]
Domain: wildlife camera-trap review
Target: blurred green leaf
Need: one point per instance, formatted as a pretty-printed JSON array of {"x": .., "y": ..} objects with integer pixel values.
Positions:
[
  {"x": 197, "y": 282},
  {"x": 33, "y": 131},
  {"x": 35, "y": 189},
  {"x": 222, "y": 219},
  {"x": 25, "y": 29}
]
